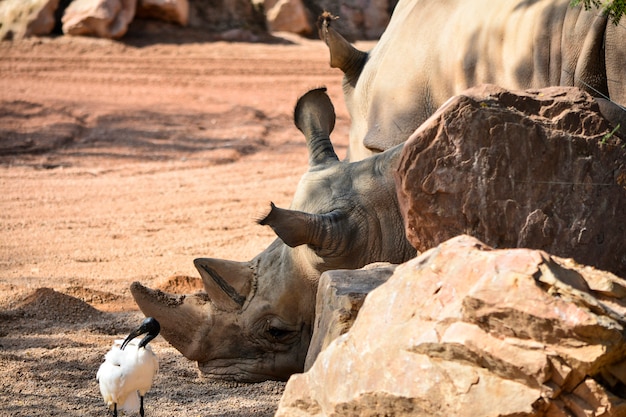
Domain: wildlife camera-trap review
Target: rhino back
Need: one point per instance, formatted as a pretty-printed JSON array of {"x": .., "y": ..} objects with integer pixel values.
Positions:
[{"x": 434, "y": 49}]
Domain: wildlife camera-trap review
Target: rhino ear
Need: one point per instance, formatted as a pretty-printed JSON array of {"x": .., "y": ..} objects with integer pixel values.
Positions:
[
  {"x": 227, "y": 283},
  {"x": 314, "y": 116},
  {"x": 342, "y": 54},
  {"x": 295, "y": 228}
]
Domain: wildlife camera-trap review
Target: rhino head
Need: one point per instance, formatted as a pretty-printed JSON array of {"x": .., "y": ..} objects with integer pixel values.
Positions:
[{"x": 256, "y": 318}]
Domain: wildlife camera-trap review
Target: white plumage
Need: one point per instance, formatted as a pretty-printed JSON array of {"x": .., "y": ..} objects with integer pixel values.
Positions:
[{"x": 128, "y": 369}]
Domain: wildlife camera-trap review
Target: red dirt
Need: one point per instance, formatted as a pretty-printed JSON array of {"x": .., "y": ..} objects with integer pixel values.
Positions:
[{"x": 122, "y": 162}]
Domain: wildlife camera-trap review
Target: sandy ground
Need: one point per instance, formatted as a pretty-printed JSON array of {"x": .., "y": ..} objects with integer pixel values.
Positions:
[{"x": 123, "y": 161}]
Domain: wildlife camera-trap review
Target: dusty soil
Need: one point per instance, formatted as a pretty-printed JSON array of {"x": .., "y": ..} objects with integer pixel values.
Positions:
[{"x": 121, "y": 162}]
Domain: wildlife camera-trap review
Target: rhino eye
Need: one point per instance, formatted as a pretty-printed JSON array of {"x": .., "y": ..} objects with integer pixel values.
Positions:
[{"x": 278, "y": 333}]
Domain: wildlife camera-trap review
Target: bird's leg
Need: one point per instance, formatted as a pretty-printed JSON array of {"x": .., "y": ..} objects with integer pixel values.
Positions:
[
  {"x": 114, "y": 409},
  {"x": 141, "y": 405}
]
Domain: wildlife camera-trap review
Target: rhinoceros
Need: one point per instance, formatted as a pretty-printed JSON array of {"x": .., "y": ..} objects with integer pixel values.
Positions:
[
  {"x": 435, "y": 49},
  {"x": 255, "y": 320}
]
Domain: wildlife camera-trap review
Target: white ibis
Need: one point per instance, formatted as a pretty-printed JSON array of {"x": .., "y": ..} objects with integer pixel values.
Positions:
[{"x": 128, "y": 368}]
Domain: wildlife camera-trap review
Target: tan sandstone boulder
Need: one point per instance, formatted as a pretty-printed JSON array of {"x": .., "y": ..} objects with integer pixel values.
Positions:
[
  {"x": 466, "y": 330},
  {"x": 101, "y": 18},
  {"x": 536, "y": 169},
  {"x": 287, "y": 16},
  {"x": 340, "y": 295},
  {"x": 20, "y": 19},
  {"x": 175, "y": 11}
]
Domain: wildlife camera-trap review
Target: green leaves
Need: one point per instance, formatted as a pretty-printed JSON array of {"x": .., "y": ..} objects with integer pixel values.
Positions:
[{"x": 614, "y": 9}]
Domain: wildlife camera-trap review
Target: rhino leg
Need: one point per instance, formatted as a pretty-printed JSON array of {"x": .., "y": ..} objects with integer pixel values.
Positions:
[
  {"x": 615, "y": 61},
  {"x": 185, "y": 319}
]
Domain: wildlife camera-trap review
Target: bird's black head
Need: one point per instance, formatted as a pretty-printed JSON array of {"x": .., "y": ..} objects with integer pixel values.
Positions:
[{"x": 150, "y": 327}]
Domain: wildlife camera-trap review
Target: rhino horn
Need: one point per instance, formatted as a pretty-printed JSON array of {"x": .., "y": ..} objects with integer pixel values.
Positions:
[
  {"x": 314, "y": 116},
  {"x": 297, "y": 228},
  {"x": 343, "y": 54},
  {"x": 226, "y": 282},
  {"x": 184, "y": 319}
]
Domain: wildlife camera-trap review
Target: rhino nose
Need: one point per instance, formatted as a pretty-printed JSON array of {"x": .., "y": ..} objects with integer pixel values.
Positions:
[{"x": 184, "y": 319}]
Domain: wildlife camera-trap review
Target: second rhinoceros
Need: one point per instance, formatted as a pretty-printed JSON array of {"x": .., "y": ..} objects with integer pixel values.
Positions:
[
  {"x": 255, "y": 321},
  {"x": 433, "y": 50}
]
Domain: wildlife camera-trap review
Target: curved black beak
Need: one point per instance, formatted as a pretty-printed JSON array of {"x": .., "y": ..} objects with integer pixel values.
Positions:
[{"x": 149, "y": 326}]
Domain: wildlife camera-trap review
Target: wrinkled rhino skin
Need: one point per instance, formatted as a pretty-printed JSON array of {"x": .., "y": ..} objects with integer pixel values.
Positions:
[
  {"x": 255, "y": 320},
  {"x": 433, "y": 50}
]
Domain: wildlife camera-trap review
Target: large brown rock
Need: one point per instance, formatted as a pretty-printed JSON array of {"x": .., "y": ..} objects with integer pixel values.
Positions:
[
  {"x": 530, "y": 169},
  {"x": 20, "y": 19},
  {"x": 101, "y": 18},
  {"x": 465, "y": 330}
]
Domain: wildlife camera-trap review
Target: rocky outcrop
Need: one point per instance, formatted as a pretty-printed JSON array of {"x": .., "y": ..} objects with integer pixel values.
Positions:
[
  {"x": 340, "y": 295},
  {"x": 101, "y": 18},
  {"x": 536, "y": 169},
  {"x": 175, "y": 11},
  {"x": 20, "y": 19},
  {"x": 465, "y": 330},
  {"x": 237, "y": 19},
  {"x": 234, "y": 19}
]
